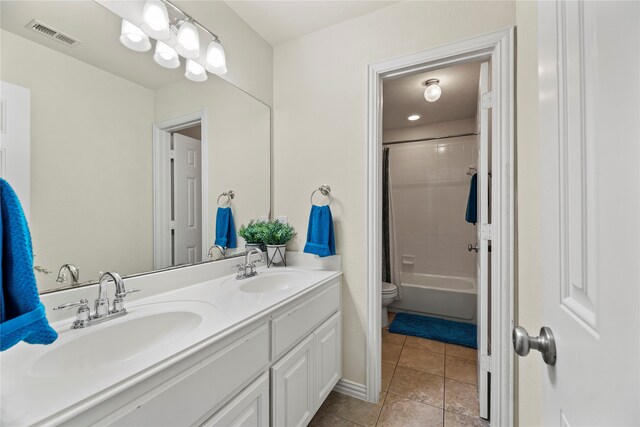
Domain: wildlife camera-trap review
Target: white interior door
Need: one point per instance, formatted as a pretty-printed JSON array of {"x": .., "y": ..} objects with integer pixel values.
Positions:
[
  {"x": 483, "y": 244},
  {"x": 589, "y": 112},
  {"x": 15, "y": 140},
  {"x": 187, "y": 199}
]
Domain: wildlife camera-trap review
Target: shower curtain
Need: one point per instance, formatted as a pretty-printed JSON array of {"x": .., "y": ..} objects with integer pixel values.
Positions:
[{"x": 390, "y": 256}]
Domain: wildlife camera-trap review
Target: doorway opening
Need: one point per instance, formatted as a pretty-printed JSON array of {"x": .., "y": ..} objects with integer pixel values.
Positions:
[
  {"x": 429, "y": 168},
  {"x": 433, "y": 278},
  {"x": 180, "y": 196}
]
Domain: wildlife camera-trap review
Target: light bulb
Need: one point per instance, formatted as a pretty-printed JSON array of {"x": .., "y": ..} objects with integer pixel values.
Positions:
[
  {"x": 433, "y": 91},
  {"x": 414, "y": 117},
  {"x": 216, "y": 60},
  {"x": 195, "y": 72},
  {"x": 188, "y": 41},
  {"x": 155, "y": 20},
  {"x": 133, "y": 37},
  {"x": 166, "y": 56}
]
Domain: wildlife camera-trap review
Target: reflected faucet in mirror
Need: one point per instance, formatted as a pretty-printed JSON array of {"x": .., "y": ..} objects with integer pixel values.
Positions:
[
  {"x": 220, "y": 249},
  {"x": 68, "y": 270}
]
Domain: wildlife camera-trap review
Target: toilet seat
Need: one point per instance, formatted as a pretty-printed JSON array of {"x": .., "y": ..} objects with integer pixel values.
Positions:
[{"x": 389, "y": 288}]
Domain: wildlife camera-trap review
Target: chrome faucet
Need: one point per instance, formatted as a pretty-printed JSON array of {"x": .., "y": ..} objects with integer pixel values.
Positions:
[
  {"x": 222, "y": 250},
  {"x": 102, "y": 302},
  {"x": 248, "y": 269},
  {"x": 71, "y": 270},
  {"x": 102, "y": 311}
]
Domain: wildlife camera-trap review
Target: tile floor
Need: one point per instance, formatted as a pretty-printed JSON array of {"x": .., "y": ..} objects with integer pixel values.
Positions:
[{"x": 424, "y": 383}]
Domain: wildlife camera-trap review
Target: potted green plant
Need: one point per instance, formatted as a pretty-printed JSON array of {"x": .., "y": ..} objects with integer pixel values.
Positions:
[
  {"x": 252, "y": 234},
  {"x": 276, "y": 235}
]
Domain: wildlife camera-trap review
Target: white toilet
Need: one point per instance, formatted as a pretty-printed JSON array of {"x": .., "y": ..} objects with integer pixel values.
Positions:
[{"x": 389, "y": 294}]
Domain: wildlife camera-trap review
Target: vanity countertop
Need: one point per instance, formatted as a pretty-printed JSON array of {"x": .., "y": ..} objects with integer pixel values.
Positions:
[{"x": 40, "y": 386}]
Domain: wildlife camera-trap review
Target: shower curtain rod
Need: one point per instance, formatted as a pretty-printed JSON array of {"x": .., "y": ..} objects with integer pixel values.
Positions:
[{"x": 429, "y": 139}]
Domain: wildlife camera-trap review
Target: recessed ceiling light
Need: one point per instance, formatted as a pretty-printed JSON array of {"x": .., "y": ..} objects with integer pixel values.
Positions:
[{"x": 413, "y": 117}]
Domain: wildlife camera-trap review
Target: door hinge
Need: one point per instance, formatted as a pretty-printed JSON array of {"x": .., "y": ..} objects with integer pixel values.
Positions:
[
  {"x": 486, "y": 232},
  {"x": 485, "y": 363},
  {"x": 172, "y": 154},
  {"x": 487, "y": 100},
  {"x": 172, "y": 225}
]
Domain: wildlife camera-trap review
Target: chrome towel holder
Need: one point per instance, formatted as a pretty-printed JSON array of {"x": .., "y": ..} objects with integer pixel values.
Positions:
[
  {"x": 229, "y": 195},
  {"x": 325, "y": 190}
]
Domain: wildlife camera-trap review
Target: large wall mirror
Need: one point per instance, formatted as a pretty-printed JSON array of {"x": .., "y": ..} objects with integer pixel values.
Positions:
[{"x": 127, "y": 159}]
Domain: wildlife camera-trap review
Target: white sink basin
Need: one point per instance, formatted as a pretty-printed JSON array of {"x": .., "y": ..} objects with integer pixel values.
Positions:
[
  {"x": 144, "y": 330},
  {"x": 274, "y": 281}
]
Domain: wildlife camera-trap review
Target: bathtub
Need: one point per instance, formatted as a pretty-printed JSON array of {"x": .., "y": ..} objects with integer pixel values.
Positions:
[{"x": 450, "y": 297}]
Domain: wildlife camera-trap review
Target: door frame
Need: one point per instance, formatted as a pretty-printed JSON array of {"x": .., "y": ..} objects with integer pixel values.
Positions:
[
  {"x": 499, "y": 47},
  {"x": 162, "y": 184}
]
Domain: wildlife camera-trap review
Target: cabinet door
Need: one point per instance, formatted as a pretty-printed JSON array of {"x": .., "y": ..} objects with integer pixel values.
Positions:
[
  {"x": 249, "y": 409},
  {"x": 293, "y": 400},
  {"x": 328, "y": 358}
]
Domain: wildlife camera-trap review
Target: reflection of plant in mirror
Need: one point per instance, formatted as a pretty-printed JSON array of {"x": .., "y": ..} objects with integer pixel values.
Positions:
[
  {"x": 278, "y": 233},
  {"x": 253, "y": 233}
]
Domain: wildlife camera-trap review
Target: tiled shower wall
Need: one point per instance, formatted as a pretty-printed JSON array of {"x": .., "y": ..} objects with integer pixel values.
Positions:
[{"x": 430, "y": 187}]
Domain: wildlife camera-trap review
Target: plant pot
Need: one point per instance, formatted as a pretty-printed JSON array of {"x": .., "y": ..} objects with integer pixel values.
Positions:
[
  {"x": 249, "y": 246},
  {"x": 276, "y": 254}
]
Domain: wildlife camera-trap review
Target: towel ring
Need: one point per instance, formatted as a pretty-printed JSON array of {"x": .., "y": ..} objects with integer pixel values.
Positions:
[
  {"x": 229, "y": 195},
  {"x": 325, "y": 190}
]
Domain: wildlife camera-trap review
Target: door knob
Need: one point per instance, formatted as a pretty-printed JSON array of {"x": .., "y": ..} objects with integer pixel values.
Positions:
[
  {"x": 471, "y": 247},
  {"x": 545, "y": 343}
]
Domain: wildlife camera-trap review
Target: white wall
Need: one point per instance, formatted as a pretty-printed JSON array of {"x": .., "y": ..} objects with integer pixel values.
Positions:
[
  {"x": 529, "y": 297},
  {"x": 453, "y": 127},
  {"x": 90, "y": 162},
  {"x": 320, "y": 125},
  {"x": 249, "y": 56},
  {"x": 239, "y": 132}
]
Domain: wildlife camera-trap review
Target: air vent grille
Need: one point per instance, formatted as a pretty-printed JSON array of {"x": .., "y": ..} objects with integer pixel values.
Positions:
[{"x": 51, "y": 33}]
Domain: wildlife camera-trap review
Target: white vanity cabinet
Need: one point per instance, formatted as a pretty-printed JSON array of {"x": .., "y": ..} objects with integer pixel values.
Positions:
[
  {"x": 303, "y": 378},
  {"x": 275, "y": 369}
]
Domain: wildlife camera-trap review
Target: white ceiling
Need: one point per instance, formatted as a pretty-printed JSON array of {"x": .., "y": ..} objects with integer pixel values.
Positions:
[
  {"x": 404, "y": 96},
  {"x": 280, "y": 21}
]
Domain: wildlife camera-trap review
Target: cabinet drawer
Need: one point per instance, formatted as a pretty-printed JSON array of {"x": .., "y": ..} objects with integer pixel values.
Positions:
[
  {"x": 249, "y": 408},
  {"x": 292, "y": 326},
  {"x": 203, "y": 387}
]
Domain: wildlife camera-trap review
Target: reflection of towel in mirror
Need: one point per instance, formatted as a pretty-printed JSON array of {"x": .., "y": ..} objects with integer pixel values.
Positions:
[
  {"x": 225, "y": 229},
  {"x": 472, "y": 203},
  {"x": 320, "y": 238},
  {"x": 22, "y": 315}
]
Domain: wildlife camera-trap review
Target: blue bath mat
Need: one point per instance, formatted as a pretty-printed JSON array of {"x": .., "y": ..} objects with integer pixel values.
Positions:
[{"x": 448, "y": 331}]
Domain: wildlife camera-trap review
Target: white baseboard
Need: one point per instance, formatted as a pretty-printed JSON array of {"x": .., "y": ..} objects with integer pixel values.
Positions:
[{"x": 350, "y": 388}]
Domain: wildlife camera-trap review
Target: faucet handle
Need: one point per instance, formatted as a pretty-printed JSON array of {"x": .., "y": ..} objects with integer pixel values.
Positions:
[
  {"x": 125, "y": 293},
  {"x": 82, "y": 303}
]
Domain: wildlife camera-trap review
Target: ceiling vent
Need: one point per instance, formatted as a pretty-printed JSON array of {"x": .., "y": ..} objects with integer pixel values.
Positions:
[{"x": 52, "y": 33}]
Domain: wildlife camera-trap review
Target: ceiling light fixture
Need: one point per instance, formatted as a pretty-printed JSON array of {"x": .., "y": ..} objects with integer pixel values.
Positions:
[
  {"x": 188, "y": 41},
  {"x": 433, "y": 91},
  {"x": 133, "y": 37},
  {"x": 414, "y": 117},
  {"x": 155, "y": 20},
  {"x": 195, "y": 72},
  {"x": 216, "y": 59},
  {"x": 166, "y": 56}
]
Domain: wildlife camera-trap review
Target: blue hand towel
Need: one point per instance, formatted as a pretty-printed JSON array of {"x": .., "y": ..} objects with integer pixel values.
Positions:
[
  {"x": 22, "y": 315},
  {"x": 225, "y": 229},
  {"x": 320, "y": 238},
  {"x": 472, "y": 203}
]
